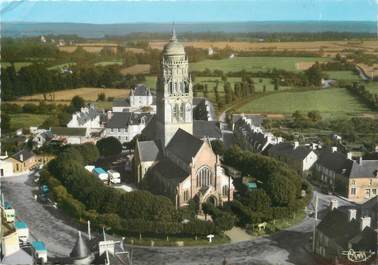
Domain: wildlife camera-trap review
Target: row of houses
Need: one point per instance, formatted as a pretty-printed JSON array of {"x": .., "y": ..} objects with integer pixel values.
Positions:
[
  {"x": 355, "y": 179},
  {"x": 348, "y": 234}
]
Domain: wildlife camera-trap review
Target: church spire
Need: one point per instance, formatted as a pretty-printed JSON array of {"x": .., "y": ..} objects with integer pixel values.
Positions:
[{"x": 173, "y": 37}]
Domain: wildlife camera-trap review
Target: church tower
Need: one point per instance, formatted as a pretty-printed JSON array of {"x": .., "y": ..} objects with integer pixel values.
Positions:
[{"x": 174, "y": 96}]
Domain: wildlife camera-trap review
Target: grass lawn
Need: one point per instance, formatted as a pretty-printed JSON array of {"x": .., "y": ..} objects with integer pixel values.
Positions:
[
  {"x": 25, "y": 120},
  {"x": 343, "y": 75},
  {"x": 372, "y": 87},
  {"x": 254, "y": 63},
  {"x": 17, "y": 65},
  {"x": 335, "y": 101}
]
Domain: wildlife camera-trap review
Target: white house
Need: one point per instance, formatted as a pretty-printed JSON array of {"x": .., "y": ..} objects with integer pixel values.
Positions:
[
  {"x": 140, "y": 100},
  {"x": 89, "y": 168},
  {"x": 88, "y": 117},
  {"x": 126, "y": 125},
  {"x": 6, "y": 168},
  {"x": 40, "y": 250}
]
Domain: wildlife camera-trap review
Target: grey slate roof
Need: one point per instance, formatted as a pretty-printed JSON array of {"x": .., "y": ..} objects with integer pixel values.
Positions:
[
  {"x": 83, "y": 117},
  {"x": 184, "y": 145},
  {"x": 148, "y": 151},
  {"x": 81, "y": 249},
  {"x": 198, "y": 100},
  {"x": 202, "y": 129},
  {"x": 118, "y": 102},
  {"x": 367, "y": 168},
  {"x": 65, "y": 131},
  {"x": 256, "y": 120},
  {"x": 169, "y": 170},
  {"x": 19, "y": 257},
  {"x": 124, "y": 119},
  {"x": 335, "y": 161},
  {"x": 288, "y": 150},
  {"x": 149, "y": 132},
  {"x": 141, "y": 90},
  {"x": 26, "y": 154}
]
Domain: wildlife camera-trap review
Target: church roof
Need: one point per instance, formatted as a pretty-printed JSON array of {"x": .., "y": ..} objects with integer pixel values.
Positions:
[
  {"x": 148, "y": 151},
  {"x": 169, "y": 170},
  {"x": 80, "y": 250},
  {"x": 202, "y": 129},
  {"x": 141, "y": 90},
  {"x": 184, "y": 145}
]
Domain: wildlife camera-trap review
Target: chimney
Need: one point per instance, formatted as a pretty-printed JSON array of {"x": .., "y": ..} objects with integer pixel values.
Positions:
[
  {"x": 360, "y": 160},
  {"x": 89, "y": 230},
  {"x": 334, "y": 149},
  {"x": 109, "y": 114},
  {"x": 352, "y": 214},
  {"x": 365, "y": 222},
  {"x": 349, "y": 155},
  {"x": 296, "y": 144},
  {"x": 334, "y": 204},
  {"x": 21, "y": 157}
]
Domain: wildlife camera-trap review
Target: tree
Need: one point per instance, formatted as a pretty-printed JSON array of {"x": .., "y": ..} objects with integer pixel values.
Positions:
[
  {"x": 109, "y": 146},
  {"x": 77, "y": 103},
  {"x": 314, "y": 116},
  {"x": 218, "y": 147},
  {"x": 5, "y": 122},
  {"x": 257, "y": 200},
  {"x": 101, "y": 97},
  {"x": 314, "y": 74}
]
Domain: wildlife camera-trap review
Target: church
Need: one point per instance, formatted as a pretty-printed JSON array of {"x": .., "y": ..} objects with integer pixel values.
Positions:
[{"x": 176, "y": 159}]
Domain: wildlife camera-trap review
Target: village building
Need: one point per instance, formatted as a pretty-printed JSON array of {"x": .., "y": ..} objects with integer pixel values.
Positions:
[
  {"x": 67, "y": 135},
  {"x": 300, "y": 158},
  {"x": 88, "y": 117},
  {"x": 140, "y": 99},
  {"x": 173, "y": 161},
  {"x": 356, "y": 180},
  {"x": 22, "y": 161},
  {"x": 344, "y": 229},
  {"x": 251, "y": 136},
  {"x": 126, "y": 125}
]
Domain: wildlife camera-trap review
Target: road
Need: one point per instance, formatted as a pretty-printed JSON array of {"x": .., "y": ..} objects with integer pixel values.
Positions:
[{"x": 47, "y": 224}]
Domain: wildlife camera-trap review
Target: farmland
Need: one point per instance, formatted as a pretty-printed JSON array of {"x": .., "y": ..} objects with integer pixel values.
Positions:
[
  {"x": 254, "y": 63},
  {"x": 25, "y": 120},
  {"x": 88, "y": 93},
  {"x": 17, "y": 65},
  {"x": 331, "y": 102},
  {"x": 136, "y": 69},
  {"x": 372, "y": 87},
  {"x": 343, "y": 75}
]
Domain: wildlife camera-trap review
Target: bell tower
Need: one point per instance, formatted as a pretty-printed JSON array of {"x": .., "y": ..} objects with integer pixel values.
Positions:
[{"x": 174, "y": 96}]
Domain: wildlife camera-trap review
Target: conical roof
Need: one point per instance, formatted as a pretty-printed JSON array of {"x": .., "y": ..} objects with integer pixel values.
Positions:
[{"x": 80, "y": 250}]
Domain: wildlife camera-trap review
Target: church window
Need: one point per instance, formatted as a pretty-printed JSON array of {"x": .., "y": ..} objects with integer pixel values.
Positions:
[
  {"x": 176, "y": 113},
  {"x": 225, "y": 190},
  {"x": 204, "y": 177},
  {"x": 182, "y": 112},
  {"x": 186, "y": 195},
  {"x": 170, "y": 85}
]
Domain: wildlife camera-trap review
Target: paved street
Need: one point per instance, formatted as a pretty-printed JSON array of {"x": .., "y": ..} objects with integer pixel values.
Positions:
[{"x": 285, "y": 247}]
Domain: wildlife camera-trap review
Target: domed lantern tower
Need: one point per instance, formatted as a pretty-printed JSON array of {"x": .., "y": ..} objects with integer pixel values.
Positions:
[{"x": 174, "y": 96}]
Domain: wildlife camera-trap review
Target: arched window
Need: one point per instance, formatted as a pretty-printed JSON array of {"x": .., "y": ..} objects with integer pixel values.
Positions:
[
  {"x": 170, "y": 87},
  {"x": 176, "y": 113},
  {"x": 204, "y": 177},
  {"x": 225, "y": 190}
]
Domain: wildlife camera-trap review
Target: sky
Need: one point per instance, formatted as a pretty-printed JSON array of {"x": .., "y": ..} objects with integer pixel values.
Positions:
[{"x": 181, "y": 11}]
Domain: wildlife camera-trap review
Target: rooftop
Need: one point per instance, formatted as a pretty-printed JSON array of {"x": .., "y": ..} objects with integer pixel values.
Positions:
[
  {"x": 39, "y": 246},
  {"x": 99, "y": 170},
  {"x": 20, "y": 225},
  {"x": 23, "y": 155},
  {"x": 65, "y": 131},
  {"x": 148, "y": 151}
]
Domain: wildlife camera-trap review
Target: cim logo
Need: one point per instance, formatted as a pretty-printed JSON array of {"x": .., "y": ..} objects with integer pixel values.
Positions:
[{"x": 358, "y": 256}]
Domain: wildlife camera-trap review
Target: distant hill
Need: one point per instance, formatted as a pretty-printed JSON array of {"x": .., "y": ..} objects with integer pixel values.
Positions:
[{"x": 99, "y": 30}]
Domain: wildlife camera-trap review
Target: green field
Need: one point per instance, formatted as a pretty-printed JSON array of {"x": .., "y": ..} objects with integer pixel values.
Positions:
[
  {"x": 372, "y": 87},
  {"x": 343, "y": 75},
  {"x": 254, "y": 63},
  {"x": 106, "y": 63},
  {"x": 24, "y": 120},
  {"x": 17, "y": 65},
  {"x": 335, "y": 101}
]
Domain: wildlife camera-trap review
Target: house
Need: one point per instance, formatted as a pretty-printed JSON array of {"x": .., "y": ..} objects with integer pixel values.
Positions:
[
  {"x": 344, "y": 229},
  {"x": 6, "y": 168},
  {"x": 71, "y": 135},
  {"x": 252, "y": 137},
  {"x": 40, "y": 137},
  {"x": 300, "y": 158},
  {"x": 356, "y": 180},
  {"x": 100, "y": 173},
  {"x": 23, "y": 161},
  {"x": 140, "y": 100},
  {"x": 172, "y": 160},
  {"x": 88, "y": 117},
  {"x": 8, "y": 212},
  {"x": 126, "y": 125},
  {"x": 22, "y": 231}
]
